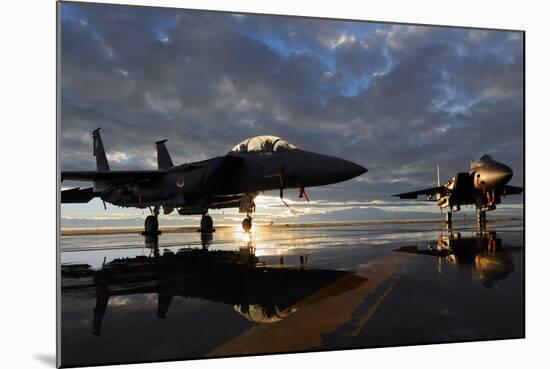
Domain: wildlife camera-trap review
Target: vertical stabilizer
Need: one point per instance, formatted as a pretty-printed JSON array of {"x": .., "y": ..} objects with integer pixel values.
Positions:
[
  {"x": 438, "y": 194},
  {"x": 99, "y": 152},
  {"x": 163, "y": 156}
]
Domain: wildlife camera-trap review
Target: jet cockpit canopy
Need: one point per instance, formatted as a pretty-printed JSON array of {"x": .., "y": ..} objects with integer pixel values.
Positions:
[
  {"x": 486, "y": 158},
  {"x": 474, "y": 164},
  {"x": 263, "y": 144}
]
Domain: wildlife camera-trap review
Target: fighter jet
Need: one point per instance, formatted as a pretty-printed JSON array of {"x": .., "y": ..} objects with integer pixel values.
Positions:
[
  {"x": 483, "y": 186},
  {"x": 255, "y": 165}
]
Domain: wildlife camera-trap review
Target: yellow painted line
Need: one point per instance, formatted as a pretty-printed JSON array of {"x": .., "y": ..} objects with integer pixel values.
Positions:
[{"x": 317, "y": 315}]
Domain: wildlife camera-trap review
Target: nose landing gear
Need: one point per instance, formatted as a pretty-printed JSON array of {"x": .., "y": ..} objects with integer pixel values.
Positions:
[
  {"x": 449, "y": 218},
  {"x": 482, "y": 218}
]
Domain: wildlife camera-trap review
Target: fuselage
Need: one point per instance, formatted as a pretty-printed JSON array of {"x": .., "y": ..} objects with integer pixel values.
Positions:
[
  {"x": 295, "y": 168},
  {"x": 483, "y": 186},
  {"x": 183, "y": 185}
]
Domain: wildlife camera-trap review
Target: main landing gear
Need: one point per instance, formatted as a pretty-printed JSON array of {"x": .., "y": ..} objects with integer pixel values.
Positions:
[
  {"x": 247, "y": 223},
  {"x": 207, "y": 224},
  {"x": 152, "y": 223},
  {"x": 207, "y": 231}
]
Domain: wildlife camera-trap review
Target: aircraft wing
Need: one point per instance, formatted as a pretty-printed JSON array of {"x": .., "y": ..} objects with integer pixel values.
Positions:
[
  {"x": 223, "y": 202},
  {"x": 512, "y": 190},
  {"x": 114, "y": 175},
  {"x": 428, "y": 192},
  {"x": 220, "y": 173},
  {"x": 77, "y": 195}
]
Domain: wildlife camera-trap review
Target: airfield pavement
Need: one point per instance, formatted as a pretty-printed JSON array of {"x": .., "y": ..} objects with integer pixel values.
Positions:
[{"x": 330, "y": 286}]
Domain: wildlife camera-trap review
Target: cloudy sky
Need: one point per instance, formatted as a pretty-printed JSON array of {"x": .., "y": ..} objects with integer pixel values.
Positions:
[{"x": 397, "y": 99}]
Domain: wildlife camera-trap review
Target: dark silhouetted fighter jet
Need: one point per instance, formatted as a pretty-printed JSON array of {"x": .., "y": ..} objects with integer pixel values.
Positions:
[
  {"x": 483, "y": 186},
  {"x": 254, "y": 165}
]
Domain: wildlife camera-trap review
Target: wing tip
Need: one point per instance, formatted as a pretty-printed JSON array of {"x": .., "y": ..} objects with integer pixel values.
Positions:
[{"x": 406, "y": 196}]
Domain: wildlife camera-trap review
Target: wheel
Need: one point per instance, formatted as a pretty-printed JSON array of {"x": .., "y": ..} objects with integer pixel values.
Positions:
[
  {"x": 482, "y": 218},
  {"x": 247, "y": 224},
  {"x": 151, "y": 224},
  {"x": 207, "y": 225}
]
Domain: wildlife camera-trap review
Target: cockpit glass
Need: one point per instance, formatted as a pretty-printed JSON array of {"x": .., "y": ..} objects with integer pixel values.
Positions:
[
  {"x": 263, "y": 144},
  {"x": 486, "y": 158}
]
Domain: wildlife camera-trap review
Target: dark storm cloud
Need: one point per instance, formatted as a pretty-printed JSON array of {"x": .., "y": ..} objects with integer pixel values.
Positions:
[
  {"x": 397, "y": 99},
  {"x": 362, "y": 56}
]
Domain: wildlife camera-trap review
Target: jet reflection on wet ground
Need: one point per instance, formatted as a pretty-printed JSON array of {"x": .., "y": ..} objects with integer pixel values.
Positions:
[{"x": 129, "y": 298}]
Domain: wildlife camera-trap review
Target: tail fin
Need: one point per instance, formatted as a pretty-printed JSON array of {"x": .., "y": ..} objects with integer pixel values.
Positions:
[
  {"x": 163, "y": 156},
  {"x": 438, "y": 195},
  {"x": 99, "y": 152}
]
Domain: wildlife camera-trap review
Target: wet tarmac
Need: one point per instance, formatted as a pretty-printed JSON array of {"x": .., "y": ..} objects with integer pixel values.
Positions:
[{"x": 131, "y": 298}]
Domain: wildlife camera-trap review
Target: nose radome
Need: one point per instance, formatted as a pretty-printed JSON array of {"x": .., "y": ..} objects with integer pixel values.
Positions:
[
  {"x": 358, "y": 169},
  {"x": 505, "y": 173},
  {"x": 349, "y": 169},
  {"x": 316, "y": 169}
]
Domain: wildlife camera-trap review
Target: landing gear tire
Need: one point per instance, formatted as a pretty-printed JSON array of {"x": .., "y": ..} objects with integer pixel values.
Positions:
[
  {"x": 151, "y": 224},
  {"x": 247, "y": 224},
  {"x": 207, "y": 224},
  {"x": 482, "y": 218}
]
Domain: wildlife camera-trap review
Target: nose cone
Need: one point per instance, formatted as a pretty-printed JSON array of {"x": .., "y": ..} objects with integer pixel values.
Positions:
[
  {"x": 339, "y": 170},
  {"x": 494, "y": 175},
  {"x": 323, "y": 169},
  {"x": 503, "y": 174},
  {"x": 352, "y": 170}
]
